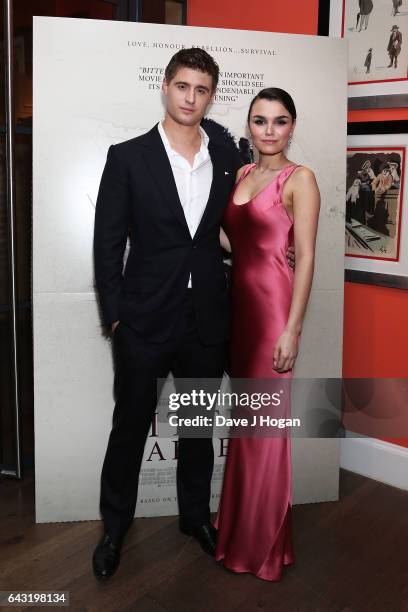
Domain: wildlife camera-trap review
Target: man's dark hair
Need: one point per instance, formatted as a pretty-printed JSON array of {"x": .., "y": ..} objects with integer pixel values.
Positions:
[
  {"x": 194, "y": 58},
  {"x": 274, "y": 93}
]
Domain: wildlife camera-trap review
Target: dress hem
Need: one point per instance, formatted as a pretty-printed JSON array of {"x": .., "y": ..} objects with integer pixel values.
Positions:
[{"x": 248, "y": 571}]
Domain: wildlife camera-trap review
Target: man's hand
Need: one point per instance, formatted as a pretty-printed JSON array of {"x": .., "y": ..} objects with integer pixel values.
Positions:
[
  {"x": 290, "y": 256},
  {"x": 114, "y": 325}
]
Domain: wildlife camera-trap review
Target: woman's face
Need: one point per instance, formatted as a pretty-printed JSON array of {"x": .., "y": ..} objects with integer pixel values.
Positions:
[{"x": 270, "y": 125}]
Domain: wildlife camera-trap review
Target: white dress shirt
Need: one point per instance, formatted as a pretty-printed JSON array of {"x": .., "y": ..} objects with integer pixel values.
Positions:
[{"x": 193, "y": 182}]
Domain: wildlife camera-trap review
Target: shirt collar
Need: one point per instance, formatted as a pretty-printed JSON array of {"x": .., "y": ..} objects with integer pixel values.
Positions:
[{"x": 204, "y": 139}]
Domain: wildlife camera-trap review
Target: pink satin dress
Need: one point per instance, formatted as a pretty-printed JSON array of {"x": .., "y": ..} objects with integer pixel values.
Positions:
[{"x": 253, "y": 521}]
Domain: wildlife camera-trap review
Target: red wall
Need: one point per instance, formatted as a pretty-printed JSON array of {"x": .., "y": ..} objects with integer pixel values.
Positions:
[
  {"x": 375, "y": 318},
  {"x": 296, "y": 16},
  {"x": 375, "y": 332}
]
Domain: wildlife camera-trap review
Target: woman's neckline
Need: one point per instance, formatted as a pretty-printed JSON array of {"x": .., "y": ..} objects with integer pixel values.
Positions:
[{"x": 263, "y": 188}]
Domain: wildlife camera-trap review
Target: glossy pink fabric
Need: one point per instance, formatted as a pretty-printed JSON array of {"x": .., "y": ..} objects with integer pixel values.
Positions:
[{"x": 254, "y": 532}]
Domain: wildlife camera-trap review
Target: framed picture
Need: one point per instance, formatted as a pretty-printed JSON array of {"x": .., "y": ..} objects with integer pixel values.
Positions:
[
  {"x": 377, "y": 33},
  {"x": 376, "y": 220}
]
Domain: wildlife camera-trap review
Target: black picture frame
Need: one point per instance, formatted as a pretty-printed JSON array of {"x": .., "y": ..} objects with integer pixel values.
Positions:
[
  {"x": 323, "y": 18},
  {"x": 377, "y": 127},
  {"x": 137, "y": 7},
  {"x": 373, "y": 278}
]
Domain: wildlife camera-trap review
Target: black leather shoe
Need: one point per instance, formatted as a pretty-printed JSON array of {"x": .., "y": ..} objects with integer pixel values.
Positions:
[
  {"x": 205, "y": 534},
  {"x": 106, "y": 558}
]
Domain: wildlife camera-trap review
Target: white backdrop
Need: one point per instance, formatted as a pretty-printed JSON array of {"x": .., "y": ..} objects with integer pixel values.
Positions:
[{"x": 98, "y": 83}]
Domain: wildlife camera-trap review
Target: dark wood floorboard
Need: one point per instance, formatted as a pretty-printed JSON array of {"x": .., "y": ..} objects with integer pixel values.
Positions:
[{"x": 351, "y": 556}]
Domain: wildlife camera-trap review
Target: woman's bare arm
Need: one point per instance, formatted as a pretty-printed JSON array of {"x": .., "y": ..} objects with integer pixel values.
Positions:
[
  {"x": 224, "y": 241},
  {"x": 306, "y": 206}
]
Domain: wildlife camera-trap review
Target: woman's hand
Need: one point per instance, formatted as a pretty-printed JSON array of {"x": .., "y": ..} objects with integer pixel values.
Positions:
[
  {"x": 286, "y": 350},
  {"x": 290, "y": 257},
  {"x": 224, "y": 241}
]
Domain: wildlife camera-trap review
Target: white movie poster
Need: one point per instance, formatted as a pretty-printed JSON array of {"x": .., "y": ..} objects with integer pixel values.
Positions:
[{"x": 97, "y": 83}]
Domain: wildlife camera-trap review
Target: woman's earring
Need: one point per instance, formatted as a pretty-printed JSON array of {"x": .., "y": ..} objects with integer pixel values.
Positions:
[
  {"x": 290, "y": 140},
  {"x": 251, "y": 150}
]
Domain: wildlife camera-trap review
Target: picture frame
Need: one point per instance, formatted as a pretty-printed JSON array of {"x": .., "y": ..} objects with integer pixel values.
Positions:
[
  {"x": 323, "y": 24},
  {"x": 385, "y": 81},
  {"x": 385, "y": 145}
]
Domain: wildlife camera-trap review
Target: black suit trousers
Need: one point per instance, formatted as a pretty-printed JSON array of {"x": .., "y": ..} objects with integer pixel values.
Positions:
[{"x": 138, "y": 365}]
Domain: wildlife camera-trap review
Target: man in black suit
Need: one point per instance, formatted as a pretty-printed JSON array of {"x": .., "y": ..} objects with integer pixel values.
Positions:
[{"x": 168, "y": 309}]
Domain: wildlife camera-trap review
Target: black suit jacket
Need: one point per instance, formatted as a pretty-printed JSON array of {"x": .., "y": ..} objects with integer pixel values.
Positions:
[{"x": 138, "y": 197}]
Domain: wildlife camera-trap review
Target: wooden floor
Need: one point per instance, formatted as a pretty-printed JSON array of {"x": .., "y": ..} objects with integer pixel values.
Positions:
[{"x": 350, "y": 556}]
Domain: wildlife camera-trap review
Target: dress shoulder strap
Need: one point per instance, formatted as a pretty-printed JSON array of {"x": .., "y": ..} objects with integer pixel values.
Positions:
[
  {"x": 285, "y": 174},
  {"x": 246, "y": 170}
]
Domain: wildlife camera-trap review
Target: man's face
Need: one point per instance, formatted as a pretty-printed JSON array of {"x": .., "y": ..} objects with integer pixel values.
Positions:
[{"x": 187, "y": 95}]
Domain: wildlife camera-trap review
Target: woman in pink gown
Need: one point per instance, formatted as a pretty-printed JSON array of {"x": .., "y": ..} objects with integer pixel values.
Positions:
[{"x": 274, "y": 204}]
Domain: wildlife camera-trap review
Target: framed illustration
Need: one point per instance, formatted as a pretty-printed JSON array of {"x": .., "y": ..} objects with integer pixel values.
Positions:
[
  {"x": 376, "y": 220},
  {"x": 377, "y": 33}
]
